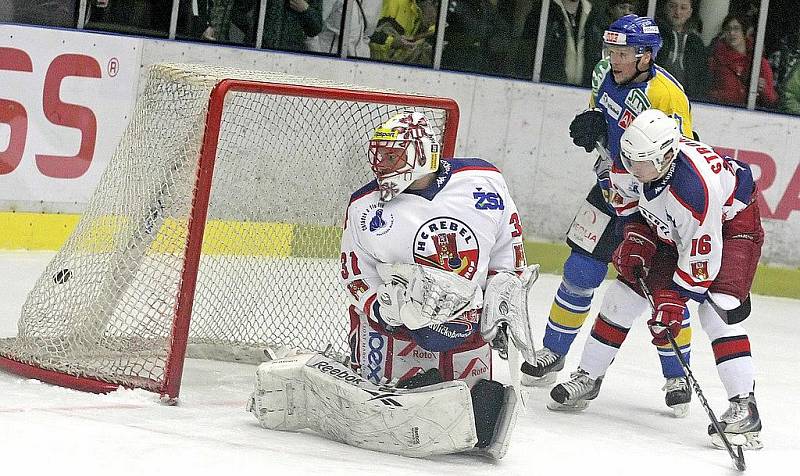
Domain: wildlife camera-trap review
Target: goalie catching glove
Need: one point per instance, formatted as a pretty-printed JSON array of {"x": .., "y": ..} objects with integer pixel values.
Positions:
[
  {"x": 418, "y": 296},
  {"x": 506, "y": 303}
]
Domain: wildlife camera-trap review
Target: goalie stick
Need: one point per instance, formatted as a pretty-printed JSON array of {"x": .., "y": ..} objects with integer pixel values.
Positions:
[{"x": 737, "y": 457}]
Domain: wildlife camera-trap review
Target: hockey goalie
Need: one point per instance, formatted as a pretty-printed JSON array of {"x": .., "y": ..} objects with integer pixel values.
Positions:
[{"x": 433, "y": 260}]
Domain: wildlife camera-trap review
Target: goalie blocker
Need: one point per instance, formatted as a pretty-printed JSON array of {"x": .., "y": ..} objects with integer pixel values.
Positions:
[{"x": 311, "y": 390}]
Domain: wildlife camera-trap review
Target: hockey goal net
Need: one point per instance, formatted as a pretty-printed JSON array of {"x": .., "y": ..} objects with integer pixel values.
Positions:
[{"x": 215, "y": 227}]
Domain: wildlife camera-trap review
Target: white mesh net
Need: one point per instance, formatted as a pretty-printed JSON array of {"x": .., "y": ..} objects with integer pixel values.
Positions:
[{"x": 286, "y": 165}]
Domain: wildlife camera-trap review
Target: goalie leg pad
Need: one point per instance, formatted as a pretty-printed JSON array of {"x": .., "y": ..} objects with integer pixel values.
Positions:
[
  {"x": 380, "y": 357},
  {"x": 315, "y": 392},
  {"x": 279, "y": 398},
  {"x": 496, "y": 411}
]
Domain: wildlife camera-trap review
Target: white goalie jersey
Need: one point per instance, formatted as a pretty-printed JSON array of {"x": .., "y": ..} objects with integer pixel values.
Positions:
[{"x": 465, "y": 223}]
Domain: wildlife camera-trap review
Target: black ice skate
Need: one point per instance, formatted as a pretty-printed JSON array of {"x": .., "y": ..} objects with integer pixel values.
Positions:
[
  {"x": 740, "y": 423},
  {"x": 678, "y": 395},
  {"x": 575, "y": 394},
  {"x": 544, "y": 371}
]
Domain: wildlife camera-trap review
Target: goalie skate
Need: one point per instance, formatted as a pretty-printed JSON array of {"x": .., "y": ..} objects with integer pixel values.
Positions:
[
  {"x": 545, "y": 369},
  {"x": 740, "y": 423},
  {"x": 575, "y": 394},
  {"x": 678, "y": 396}
]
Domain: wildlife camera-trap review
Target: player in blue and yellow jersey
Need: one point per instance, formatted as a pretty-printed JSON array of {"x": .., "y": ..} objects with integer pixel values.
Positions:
[{"x": 624, "y": 83}]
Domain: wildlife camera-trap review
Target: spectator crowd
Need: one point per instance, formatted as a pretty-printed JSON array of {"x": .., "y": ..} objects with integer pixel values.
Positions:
[{"x": 494, "y": 37}]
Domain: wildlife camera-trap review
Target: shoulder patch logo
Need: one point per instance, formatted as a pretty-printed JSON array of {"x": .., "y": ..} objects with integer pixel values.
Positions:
[
  {"x": 376, "y": 219},
  {"x": 488, "y": 200},
  {"x": 449, "y": 244}
]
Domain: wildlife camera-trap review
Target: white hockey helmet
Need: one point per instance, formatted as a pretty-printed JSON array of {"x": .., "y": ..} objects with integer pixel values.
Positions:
[
  {"x": 402, "y": 150},
  {"x": 650, "y": 138}
]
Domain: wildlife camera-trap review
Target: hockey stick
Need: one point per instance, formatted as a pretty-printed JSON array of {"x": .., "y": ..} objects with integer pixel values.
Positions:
[
  {"x": 738, "y": 459},
  {"x": 513, "y": 361},
  {"x": 507, "y": 350}
]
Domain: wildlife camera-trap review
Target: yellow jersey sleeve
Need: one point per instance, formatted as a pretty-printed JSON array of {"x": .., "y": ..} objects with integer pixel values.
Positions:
[{"x": 666, "y": 94}]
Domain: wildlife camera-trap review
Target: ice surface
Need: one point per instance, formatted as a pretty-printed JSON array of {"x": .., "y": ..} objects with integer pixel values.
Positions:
[{"x": 627, "y": 430}]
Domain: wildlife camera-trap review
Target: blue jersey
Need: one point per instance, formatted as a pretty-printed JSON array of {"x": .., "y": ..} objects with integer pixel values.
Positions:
[{"x": 621, "y": 103}]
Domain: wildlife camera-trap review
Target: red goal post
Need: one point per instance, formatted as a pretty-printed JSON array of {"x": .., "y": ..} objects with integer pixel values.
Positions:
[{"x": 214, "y": 229}]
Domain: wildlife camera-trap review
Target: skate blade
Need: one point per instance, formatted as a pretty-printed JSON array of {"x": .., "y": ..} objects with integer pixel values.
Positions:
[
  {"x": 680, "y": 410},
  {"x": 574, "y": 407},
  {"x": 545, "y": 381},
  {"x": 748, "y": 441}
]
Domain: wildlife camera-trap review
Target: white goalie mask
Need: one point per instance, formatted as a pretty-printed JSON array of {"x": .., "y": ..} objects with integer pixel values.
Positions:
[
  {"x": 650, "y": 138},
  {"x": 402, "y": 150}
]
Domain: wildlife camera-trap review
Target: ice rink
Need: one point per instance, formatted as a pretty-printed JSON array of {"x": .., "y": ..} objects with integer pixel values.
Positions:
[{"x": 626, "y": 430}]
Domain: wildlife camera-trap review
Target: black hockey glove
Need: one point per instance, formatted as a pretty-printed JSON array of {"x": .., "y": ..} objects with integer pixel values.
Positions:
[{"x": 588, "y": 128}]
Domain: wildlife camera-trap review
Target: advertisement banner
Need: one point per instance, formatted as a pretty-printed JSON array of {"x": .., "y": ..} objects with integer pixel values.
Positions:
[{"x": 65, "y": 99}]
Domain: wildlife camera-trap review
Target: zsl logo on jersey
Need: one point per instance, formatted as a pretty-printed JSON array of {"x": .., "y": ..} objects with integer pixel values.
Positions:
[
  {"x": 448, "y": 244},
  {"x": 488, "y": 200}
]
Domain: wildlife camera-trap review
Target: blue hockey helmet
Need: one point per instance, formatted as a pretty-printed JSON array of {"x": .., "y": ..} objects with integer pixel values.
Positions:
[{"x": 633, "y": 30}]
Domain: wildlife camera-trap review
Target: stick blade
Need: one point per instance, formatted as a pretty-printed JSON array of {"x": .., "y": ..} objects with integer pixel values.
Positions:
[{"x": 739, "y": 460}]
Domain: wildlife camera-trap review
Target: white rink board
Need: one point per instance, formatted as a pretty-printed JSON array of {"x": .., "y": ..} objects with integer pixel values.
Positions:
[
  {"x": 76, "y": 91},
  {"x": 520, "y": 126}
]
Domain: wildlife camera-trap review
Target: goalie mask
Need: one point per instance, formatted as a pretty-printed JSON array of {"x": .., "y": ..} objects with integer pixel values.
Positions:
[
  {"x": 402, "y": 150},
  {"x": 652, "y": 137}
]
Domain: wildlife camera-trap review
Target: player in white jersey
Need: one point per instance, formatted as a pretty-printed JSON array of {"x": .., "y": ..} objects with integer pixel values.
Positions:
[
  {"x": 695, "y": 231},
  {"x": 433, "y": 262}
]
